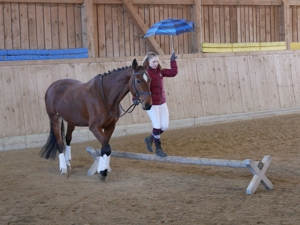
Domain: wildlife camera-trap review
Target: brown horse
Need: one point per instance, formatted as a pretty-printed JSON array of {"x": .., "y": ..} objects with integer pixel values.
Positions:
[{"x": 95, "y": 104}]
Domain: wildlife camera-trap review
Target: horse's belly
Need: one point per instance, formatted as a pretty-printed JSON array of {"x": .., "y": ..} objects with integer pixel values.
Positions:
[
  {"x": 81, "y": 124},
  {"x": 74, "y": 117}
]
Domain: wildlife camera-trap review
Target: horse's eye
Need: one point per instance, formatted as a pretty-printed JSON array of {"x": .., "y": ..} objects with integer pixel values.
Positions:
[{"x": 138, "y": 81}]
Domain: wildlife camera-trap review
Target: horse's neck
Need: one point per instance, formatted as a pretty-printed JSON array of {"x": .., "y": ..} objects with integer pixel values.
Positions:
[{"x": 115, "y": 87}]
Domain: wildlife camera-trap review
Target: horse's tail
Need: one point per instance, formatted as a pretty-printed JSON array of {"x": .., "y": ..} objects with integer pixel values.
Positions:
[{"x": 50, "y": 148}]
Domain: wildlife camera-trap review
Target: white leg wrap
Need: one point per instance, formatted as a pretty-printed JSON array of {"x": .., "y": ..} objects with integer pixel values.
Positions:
[
  {"x": 107, "y": 164},
  {"x": 62, "y": 163},
  {"x": 68, "y": 155},
  {"x": 102, "y": 163}
]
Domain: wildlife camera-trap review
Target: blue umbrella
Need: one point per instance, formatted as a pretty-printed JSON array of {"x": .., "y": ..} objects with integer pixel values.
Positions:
[{"x": 171, "y": 27}]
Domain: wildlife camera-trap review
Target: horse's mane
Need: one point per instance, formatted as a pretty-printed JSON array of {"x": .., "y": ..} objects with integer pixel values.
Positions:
[{"x": 114, "y": 70}]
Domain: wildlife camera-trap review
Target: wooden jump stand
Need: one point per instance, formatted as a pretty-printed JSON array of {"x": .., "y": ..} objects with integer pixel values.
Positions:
[{"x": 258, "y": 169}]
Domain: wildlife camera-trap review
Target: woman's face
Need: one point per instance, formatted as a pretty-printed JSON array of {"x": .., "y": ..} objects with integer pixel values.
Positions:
[{"x": 153, "y": 62}]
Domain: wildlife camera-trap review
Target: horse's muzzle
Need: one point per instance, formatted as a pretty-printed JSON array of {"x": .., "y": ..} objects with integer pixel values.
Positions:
[{"x": 147, "y": 106}]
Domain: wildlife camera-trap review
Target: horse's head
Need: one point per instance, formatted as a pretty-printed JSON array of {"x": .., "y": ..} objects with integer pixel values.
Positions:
[{"x": 140, "y": 87}]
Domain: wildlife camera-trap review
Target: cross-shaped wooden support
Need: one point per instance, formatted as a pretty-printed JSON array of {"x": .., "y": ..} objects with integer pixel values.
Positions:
[{"x": 259, "y": 174}]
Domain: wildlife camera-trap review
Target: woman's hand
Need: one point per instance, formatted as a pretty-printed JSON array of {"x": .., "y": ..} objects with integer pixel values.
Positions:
[{"x": 173, "y": 57}]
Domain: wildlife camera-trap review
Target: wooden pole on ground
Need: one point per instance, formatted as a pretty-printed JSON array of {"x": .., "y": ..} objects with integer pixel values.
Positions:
[{"x": 258, "y": 169}]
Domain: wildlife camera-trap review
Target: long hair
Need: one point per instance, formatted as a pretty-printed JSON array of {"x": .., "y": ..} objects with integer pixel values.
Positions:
[
  {"x": 149, "y": 56},
  {"x": 51, "y": 147}
]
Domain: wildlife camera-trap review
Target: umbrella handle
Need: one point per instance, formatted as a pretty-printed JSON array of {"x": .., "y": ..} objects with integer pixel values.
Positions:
[{"x": 172, "y": 44}]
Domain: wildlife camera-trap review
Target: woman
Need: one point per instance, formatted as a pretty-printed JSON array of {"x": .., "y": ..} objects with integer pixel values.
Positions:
[{"x": 159, "y": 113}]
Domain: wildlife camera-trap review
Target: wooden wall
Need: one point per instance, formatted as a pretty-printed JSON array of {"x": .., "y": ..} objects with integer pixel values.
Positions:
[
  {"x": 294, "y": 18},
  {"x": 238, "y": 24},
  {"x": 29, "y": 25},
  {"x": 121, "y": 36},
  {"x": 110, "y": 29},
  {"x": 205, "y": 86}
]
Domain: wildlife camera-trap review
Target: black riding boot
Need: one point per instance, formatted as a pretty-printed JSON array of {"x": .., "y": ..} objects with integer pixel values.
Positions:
[
  {"x": 159, "y": 151},
  {"x": 148, "y": 141}
]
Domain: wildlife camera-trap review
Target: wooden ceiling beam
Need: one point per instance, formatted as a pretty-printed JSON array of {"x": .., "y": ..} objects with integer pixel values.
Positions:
[{"x": 138, "y": 21}]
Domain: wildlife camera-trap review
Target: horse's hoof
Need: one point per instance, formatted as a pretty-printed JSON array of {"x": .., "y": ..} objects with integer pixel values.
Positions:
[
  {"x": 102, "y": 175},
  {"x": 102, "y": 178},
  {"x": 64, "y": 172}
]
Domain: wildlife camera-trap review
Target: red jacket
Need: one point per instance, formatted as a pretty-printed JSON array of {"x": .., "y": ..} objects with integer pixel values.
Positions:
[{"x": 157, "y": 84}]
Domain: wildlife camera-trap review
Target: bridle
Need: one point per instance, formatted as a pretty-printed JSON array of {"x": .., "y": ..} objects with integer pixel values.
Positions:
[{"x": 138, "y": 95}]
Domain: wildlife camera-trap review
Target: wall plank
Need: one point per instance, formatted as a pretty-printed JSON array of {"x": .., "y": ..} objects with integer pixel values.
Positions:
[
  {"x": 263, "y": 89},
  {"x": 24, "y": 26},
  {"x": 253, "y": 74},
  {"x": 196, "y": 88},
  {"x": 178, "y": 101},
  {"x": 71, "y": 34},
  {"x": 271, "y": 81},
  {"x": 2, "y": 43},
  {"x": 294, "y": 79},
  {"x": 108, "y": 31},
  {"x": 7, "y": 108},
  {"x": 7, "y": 26},
  {"x": 234, "y": 84},
  {"x": 32, "y": 26},
  {"x": 47, "y": 27},
  {"x": 19, "y": 127},
  {"x": 115, "y": 31},
  {"x": 121, "y": 31},
  {"x": 295, "y": 59},
  {"x": 244, "y": 81},
  {"x": 202, "y": 70},
  {"x": 78, "y": 26},
  {"x": 15, "y": 24},
  {"x": 289, "y": 92},
  {"x": 222, "y": 85},
  {"x": 62, "y": 26},
  {"x": 40, "y": 26}
]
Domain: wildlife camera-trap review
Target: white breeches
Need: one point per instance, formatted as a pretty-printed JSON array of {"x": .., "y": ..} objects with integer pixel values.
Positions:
[{"x": 159, "y": 116}]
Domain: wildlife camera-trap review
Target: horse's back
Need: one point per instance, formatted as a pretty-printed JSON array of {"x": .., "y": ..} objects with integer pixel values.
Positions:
[
  {"x": 57, "y": 90},
  {"x": 59, "y": 87}
]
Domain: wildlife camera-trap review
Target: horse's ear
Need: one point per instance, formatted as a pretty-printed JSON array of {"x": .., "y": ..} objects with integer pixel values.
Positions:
[
  {"x": 146, "y": 64},
  {"x": 134, "y": 64}
]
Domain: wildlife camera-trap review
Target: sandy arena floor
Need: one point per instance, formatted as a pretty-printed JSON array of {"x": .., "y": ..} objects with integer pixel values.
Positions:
[{"x": 32, "y": 191}]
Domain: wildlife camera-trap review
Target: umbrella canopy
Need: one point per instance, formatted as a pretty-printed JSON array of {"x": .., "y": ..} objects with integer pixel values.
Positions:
[{"x": 171, "y": 27}]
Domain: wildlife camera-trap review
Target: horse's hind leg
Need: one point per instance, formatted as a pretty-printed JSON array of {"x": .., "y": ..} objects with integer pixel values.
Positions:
[
  {"x": 58, "y": 129},
  {"x": 68, "y": 156}
]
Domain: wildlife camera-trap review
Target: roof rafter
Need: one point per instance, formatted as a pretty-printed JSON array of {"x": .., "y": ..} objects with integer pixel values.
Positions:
[{"x": 138, "y": 21}]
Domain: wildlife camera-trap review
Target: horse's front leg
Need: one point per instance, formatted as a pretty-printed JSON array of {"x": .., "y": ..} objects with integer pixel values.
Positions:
[
  {"x": 103, "y": 136},
  {"x": 68, "y": 154}
]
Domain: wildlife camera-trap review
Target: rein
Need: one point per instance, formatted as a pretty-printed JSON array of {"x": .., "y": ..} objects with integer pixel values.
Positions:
[{"x": 129, "y": 110}]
